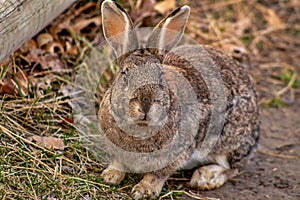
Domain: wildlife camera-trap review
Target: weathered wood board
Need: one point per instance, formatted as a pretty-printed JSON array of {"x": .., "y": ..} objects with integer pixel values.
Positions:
[{"x": 22, "y": 19}]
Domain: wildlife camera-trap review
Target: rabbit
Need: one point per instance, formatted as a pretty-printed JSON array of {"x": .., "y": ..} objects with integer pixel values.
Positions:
[{"x": 140, "y": 113}]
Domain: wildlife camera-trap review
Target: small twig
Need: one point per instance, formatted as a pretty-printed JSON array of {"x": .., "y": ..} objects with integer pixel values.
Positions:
[
  {"x": 188, "y": 194},
  {"x": 261, "y": 34},
  {"x": 219, "y": 4},
  {"x": 126, "y": 186},
  {"x": 50, "y": 72},
  {"x": 87, "y": 181},
  {"x": 26, "y": 168},
  {"x": 178, "y": 179},
  {"x": 289, "y": 85},
  {"x": 277, "y": 64},
  {"x": 30, "y": 184},
  {"x": 276, "y": 154}
]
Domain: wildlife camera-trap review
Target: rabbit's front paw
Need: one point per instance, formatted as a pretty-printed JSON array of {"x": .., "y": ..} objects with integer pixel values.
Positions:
[
  {"x": 209, "y": 177},
  {"x": 112, "y": 176},
  {"x": 142, "y": 191},
  {"x": 149, "y": 187}
]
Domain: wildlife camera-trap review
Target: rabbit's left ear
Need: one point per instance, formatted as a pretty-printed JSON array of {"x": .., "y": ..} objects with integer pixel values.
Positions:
[
  {"x": 118, "y": 29},
  {"x": 168, "y": 33}
]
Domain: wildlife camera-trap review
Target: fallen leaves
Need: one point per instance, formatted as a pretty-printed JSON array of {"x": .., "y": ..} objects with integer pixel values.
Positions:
[
  {"x": 46, "y": 60},
  {"x": 48, "y": 142},
  {"x": 31, "y": 70},
  {"x": 46, "y": 42},
  {"x": 165, "y": 6}
]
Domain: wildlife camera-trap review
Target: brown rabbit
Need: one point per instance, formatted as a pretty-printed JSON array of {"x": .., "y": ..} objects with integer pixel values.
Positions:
[{"x": 174, "y": 108}]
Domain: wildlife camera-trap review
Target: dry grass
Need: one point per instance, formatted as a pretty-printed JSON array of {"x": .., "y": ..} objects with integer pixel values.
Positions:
[{"x": 268, "y": 34}]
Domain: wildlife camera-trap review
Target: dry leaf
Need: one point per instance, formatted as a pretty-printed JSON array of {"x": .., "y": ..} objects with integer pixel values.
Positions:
[
  {"x": 7, "y": 86},
  {"x": 85, "y": 8},
  {"x": 86, "y": 22},
  {"x": 269, "y": 14},
  {"x": 142, "y": 10},
  {"x": 48, "y": 60},
  {"x": 146, "y": 6},
  {"x": 54, "y": 62},
  {"x": 165, "y": 6},
  {"x": 71, "y": 49},
  {"x": 44, "y": 39},
  {"x": 52, "y": 47},
  {"x": 48, "y": 142},
  {"x": 28, "y": 46},
  {"x": 15, "y": 85}
]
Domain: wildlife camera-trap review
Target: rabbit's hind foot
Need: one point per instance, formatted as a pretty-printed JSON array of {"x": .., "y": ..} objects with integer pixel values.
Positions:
[{"x": 209, "y": 177}]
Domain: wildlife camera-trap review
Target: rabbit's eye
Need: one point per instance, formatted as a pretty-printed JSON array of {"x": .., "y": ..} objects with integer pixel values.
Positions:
[
  {"x": 161, "y": 76},
  {"x": 125, "y": 77}
]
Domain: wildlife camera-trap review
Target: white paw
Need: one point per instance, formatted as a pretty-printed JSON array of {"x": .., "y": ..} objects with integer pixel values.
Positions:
[
  {"x": 112, "y": 176},
  {"x": 209, "y": 177}
]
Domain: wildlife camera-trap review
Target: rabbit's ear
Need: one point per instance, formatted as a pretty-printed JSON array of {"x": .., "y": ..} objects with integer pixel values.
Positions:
[
  {"x": 167, "y": 34},
  {"x": 118, "y": 29}
]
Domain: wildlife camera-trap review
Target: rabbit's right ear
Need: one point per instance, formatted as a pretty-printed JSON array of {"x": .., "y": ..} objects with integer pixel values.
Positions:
[{"x": 118, "y": 29}]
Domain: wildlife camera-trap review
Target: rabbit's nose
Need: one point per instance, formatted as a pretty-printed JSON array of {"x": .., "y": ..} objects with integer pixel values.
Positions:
[{"x": 145, "y": 103}]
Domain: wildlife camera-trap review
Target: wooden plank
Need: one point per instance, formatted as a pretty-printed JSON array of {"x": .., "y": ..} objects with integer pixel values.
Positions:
[{"x": 22, "y": 19}]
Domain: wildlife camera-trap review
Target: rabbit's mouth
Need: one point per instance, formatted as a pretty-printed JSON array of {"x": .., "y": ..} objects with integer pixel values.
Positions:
[{"x": 142, "y": 122}]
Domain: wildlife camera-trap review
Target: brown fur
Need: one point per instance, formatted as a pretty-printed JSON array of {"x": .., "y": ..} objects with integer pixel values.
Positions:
[{"x": 241, "y": 129}]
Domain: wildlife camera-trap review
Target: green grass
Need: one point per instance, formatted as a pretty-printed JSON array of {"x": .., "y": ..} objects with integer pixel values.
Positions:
[
  {"x": 246, "y": 39},
  {"x": 275, "y": 102}
]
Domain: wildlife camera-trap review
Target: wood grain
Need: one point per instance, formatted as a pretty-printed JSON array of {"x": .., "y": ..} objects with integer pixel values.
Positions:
[{"x": 22, "y": 19}]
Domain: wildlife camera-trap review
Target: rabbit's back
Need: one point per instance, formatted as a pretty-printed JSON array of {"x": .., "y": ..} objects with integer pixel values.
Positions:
[{"x": 240, "y": 132}]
